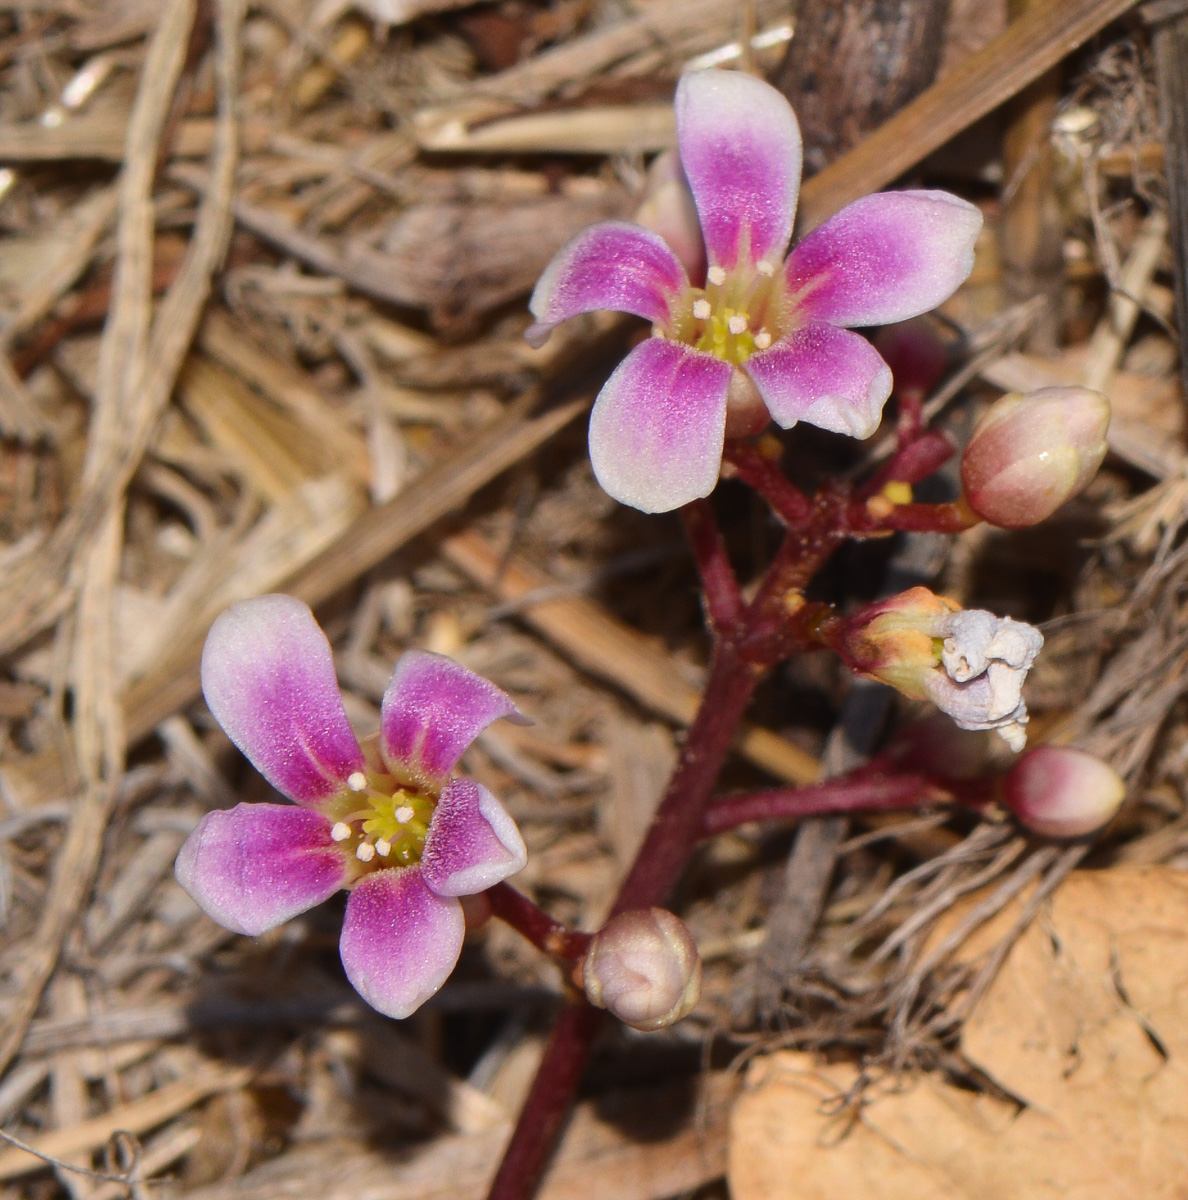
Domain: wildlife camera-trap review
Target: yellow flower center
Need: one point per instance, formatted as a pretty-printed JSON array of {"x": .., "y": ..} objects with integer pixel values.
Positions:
[
  {"x": 738, "y": 313},
  {"x": 380, "y": 820}
]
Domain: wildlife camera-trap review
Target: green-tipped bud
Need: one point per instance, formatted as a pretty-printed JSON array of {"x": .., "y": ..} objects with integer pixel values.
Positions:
[
  {"x": 643, "y": 968},
  {"x": 1062, "y": 793},
  {"x": 1029, "y": 454}
]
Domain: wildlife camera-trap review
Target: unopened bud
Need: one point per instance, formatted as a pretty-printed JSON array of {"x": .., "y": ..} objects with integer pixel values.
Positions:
[
  {"x": 916, "y": 356},
  {"x": 667, "y": 208},
  {"x": 1029, "y": 454},
  {"x": 968, "y": 662},
  {"x": 1062, "y": 793},
  {"x": 746, "y": 414},
  {"x": 643, "y": 968}
]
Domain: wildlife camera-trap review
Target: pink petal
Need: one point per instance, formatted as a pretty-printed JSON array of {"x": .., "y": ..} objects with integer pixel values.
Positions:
[
  {"x": 433, "y": 709},
  {"x": 254, "y": 866},
  {"x": 399, "y": 941},
  {"x": 608, "y": 266},
  {"x": 657, "y": 427},
  {"x": 472, "y": 842},
  {"x": 740, "y": 146},
  {"x": 268, "y": 678},
  {"x": 884, "y": 258},
  {"x": 825, "y": 376}
]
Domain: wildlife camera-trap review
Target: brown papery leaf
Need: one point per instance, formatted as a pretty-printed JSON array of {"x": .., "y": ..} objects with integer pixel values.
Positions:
[{"x": 1085, "y": 1024}]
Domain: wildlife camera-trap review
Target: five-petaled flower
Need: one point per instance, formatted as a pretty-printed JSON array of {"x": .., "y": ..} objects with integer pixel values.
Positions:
[
  {"x": 759, "y": 322},
  {"x": 385, "y": 820}
]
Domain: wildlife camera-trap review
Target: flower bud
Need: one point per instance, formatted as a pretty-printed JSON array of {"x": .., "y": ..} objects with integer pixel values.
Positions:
[
  {"x": 968, "y": 662},
  {"x": 667, "y": 208},
  {"x": 916, "y": 356},
  {"x": 1029, "y": 454},
  {"x": 1062, "y": 793},
  {"x": 643, "y": 968}
]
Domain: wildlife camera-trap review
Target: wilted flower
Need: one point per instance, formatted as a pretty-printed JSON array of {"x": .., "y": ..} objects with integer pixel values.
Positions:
[
  {"x": 760, "y": 334},
  {"x": 1029, "y": 454},
  {"x": 1060, "y": 792},
  {"x": 968, "y": 662},
  {"x": 385, "y": 820},
  {"x": 643, "y": 967}
]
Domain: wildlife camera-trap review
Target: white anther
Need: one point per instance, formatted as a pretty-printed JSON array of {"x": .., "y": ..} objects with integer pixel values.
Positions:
[
  {"x": 356, "y": 781},
  {"x": 716, "y": 275},
  {"x": 762, "y": 339},
  {"x": 765, "y": 268},
  {"x": 365, "y": 852},
  {"x": 701, "y": 309},
  {"x": 737, "y": 324},
  {"x": 404, "y": 814},
  {"x": 383, "y": 847},
  {"x": 341, "y": 831}
]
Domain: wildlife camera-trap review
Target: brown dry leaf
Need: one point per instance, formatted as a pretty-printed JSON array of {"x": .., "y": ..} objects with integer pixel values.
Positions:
[{"x": 1086, "y": 1024}]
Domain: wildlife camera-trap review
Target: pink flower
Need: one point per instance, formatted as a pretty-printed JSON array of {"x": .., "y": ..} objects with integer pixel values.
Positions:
[
  {"x": 387, "y": 821},
  {"x": 761, "y": 323}
]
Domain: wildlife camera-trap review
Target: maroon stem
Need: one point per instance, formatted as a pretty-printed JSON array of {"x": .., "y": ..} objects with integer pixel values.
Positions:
[
  {"x": 675, "y": 832},
  {"x": 751, "y": 639},
  {"x": 877, "y": 794},
  {"x": 954, "y": 517},
  {"x": 535, "y": 924},
  {"x": 723, "y": 599},
  {"x": 786, "y": 499},
  {"x": 547, "y": 1105}
]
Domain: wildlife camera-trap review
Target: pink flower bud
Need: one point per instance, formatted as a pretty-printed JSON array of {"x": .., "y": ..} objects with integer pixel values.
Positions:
[
  {"x": 1062, "y": 793},
  {"x": 643, "y": 967},
  {"x": 1029, "y": 454},
  {"x": 916, "y": 356}
]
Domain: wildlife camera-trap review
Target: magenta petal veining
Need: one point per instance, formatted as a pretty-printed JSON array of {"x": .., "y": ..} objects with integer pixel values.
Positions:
[
  {"x": 268, "y": 678},
  {"x": 741, "y": 149},
  {"x": 254, "y": 866},
  {"x": 658, "y": 424},
  {"x": 884, "y": 258},
  {"x": 828, "y": 377},
  {"x": 432, "y": 710},
  {"x": 400, "y": 941},
  {"x": 473, "y": 842},
  {"x": 613, "y": 265}
]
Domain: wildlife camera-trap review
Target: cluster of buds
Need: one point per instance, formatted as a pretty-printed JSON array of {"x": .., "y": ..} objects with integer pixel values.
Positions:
[
  {"x": 970, "y": 663},
  {"x": 1029, "y": 454}
]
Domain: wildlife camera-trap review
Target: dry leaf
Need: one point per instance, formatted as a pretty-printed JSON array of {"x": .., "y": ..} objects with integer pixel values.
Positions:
[{"x": 1085, "y": 1024}]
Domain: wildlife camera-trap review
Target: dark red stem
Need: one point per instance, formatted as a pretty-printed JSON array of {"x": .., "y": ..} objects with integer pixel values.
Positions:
[
  {"x": 536, "y": 925},
  {"x": 788, "y": 502},
  {"x": 954, "y": 517},
  {"x": 675, "y": 832},
  {"x": 876, "y": 794},
  {"x": 723, "y": 599},
  {"x": 547, "y": 1105}
]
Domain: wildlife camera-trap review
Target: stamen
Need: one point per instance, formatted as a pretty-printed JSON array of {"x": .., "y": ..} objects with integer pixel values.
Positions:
[
  {"x": 365, "y": 852},
  {"x": 404, "y": 814},
  {"x": 737, "y": 324},
  {"x": 356, "y": 781},
  {"x": 762, "y": 339},
  {"x": 716, "y": 275},
  {"x": 383, "y": 847},
  {"x": 341, "y": 831},
  {"x": 701, "y": 309},
  {"x": 765, "y": 268}
]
